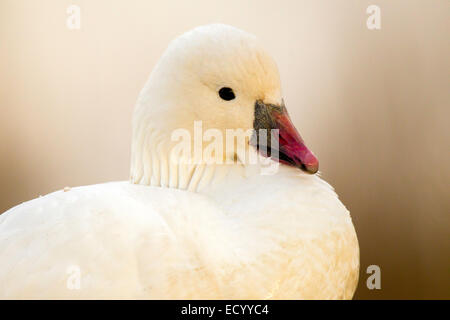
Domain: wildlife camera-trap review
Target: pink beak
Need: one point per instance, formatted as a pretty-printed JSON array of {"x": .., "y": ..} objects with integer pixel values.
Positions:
[
  {"x": 293, "y": 150},
  {"x": 291, "y": 147}
]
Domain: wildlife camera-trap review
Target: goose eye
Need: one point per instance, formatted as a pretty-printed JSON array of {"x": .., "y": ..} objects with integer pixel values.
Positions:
[{"x": 226, "y": 94}]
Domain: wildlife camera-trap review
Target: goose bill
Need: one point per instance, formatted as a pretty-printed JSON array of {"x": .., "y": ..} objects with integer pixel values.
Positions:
[{"x": 290, "y": 149}]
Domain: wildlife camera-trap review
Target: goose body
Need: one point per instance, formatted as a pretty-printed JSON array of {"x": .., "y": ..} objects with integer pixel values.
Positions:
[{"x": 178, "y": 231}]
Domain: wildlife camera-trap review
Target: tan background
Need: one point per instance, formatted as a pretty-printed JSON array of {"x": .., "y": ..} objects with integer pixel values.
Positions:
[{"x": 373, "y": 105}]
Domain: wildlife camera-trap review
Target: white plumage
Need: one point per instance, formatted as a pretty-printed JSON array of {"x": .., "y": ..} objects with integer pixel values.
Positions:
[{"x": 187, "y": 231}]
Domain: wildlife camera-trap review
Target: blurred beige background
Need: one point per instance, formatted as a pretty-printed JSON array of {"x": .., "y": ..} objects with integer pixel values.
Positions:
[{"x": 374, "y": 105}]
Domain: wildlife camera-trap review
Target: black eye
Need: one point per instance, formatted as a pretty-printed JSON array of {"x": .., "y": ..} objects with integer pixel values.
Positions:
[{"x": 226, "y": 94}]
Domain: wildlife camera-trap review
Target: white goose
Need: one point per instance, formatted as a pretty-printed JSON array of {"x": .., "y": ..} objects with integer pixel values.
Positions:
[{"x": 201, "y": 230}]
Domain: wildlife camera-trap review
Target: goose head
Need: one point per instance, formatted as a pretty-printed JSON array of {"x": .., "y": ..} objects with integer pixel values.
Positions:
[{"x": 221, "y": 77}]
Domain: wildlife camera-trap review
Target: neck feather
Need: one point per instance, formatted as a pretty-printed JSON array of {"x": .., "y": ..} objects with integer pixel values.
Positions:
[{"x": 152, "y": 164}]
